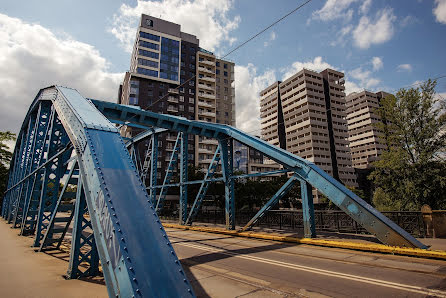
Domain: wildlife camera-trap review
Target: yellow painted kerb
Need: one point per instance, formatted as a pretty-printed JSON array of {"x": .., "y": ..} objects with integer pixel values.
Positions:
[{"x": 414, "y": 252}]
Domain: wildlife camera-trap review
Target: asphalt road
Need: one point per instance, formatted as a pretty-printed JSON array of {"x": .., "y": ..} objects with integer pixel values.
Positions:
[{"x": 223, "y": 266}]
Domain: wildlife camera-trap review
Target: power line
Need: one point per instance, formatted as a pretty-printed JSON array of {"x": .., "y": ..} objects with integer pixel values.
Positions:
[
  {"x": 262, "y": 31},
  {"x": 236, "y": 48}
]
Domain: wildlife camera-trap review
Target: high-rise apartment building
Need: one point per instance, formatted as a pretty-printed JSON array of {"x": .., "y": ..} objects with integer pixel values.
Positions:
[
  {"x": 215, "y": 100},
  {"x": 170, "y": 74},
  {"x": 364, "y": 136},
  {"x": 306, "y": 115}
]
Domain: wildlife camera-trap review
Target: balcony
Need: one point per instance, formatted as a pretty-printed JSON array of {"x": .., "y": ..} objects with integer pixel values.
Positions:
[
  {"x": 207, "y": 79},
  {"x": 206, "y": 151},
  {"x": 207, "y": 114},
  {"x": 204, "y": 95},
  {"x": 205, "y": 70},
  {"x": 205, "y": 87},
  {"x": 209, "y": 142},
  {"x": 206, "y": 62},
  {"x": 172, "y": 99},
  {"x": 172, "y": 109},
  {"x": 202, "y": 103}
]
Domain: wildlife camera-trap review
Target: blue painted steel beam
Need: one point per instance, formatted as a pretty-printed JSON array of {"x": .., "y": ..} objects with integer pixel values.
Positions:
[
  {"x": 271, "y": 203},
  {"x": 153, "y": 168},
  {"x": 226, "y": 149},
  {"x": 83, "y": 245},
  {"x": 204, "y": 186},
  {"x": 136, "y": 256},
  {"x": 144, "y": 135},
  {"x": 169, "y": 173},
  {"x": 183, "y": 178},
  {"x": 376, "y": 223},
  {"x": 306, "y": 193}
]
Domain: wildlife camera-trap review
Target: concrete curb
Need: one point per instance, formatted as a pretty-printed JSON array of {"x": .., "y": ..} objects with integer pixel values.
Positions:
[{"x": 380, "y": 248}]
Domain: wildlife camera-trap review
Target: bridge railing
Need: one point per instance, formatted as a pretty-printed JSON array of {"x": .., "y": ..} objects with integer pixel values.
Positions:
[{"x": 325, "y": 220}]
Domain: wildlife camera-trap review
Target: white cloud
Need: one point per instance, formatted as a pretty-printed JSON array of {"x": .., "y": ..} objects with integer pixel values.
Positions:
[
  {"x": 33, "y": 57},
  {"x": 365, "y": 78},
  {"x": 377, "y": 63},
  {"x": 379, "y": 30},
  {"x": 340, "y": 39},
  {"x": 248, "y": 85},
  {"x": 272, "y": 37},
  {"x": 365, "y": 6},
  {"x": 317, "y": 65},
  {"x": 351, "y": 87},
  {"x": 408, "y": 20},
  {"x": 440, "y": 11},
  {"x": 404, "y": 67},
  {"x": 208, "y": 20},
  {"x": 335, "y": 9}
]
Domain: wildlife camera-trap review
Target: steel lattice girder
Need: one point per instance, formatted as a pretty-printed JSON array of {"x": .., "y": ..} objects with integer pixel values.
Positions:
[
  {"x": 130, "y": 239},
  {"x": 372, "y": 220}
]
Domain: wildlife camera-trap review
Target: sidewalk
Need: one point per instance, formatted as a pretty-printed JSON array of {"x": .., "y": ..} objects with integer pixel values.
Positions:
[
  {"x": 434, "y": 243},
  {"x": 25, "y": 273}
]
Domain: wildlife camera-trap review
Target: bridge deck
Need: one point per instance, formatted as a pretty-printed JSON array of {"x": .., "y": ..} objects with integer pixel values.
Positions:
[{"x": 223, "y": 266}]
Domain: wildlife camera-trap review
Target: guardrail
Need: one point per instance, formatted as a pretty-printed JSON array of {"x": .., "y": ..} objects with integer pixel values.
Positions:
[{"x": 325, "y": 220}]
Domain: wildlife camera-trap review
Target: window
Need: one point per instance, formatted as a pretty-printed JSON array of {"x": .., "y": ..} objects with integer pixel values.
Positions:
[
  {"x": 147, "y": 72},
  {"x": 191, "y": 100},
  {"x": 217, "y": 71},
  {"x": 225, "y": 66},
  {"x": 148, "y": 54},
  {"x": 133, "y": 100},
  {"x": 191, "y": 109},
  {"x": 149, "y": 45},
  {"x": 182, "y": 89},
  {"x": 150, "y": 93},
  {"x": 181, "y": 108},
  {"x": 147, "y": 63},
  {"x": 226, "y": 114},
  {"x": 182, "y": 98},
  {"x": 149, "y": 36},
  {"x": 217, "y": 63},
  {"x": 225, "y": 73},
  {"x": 226, "y": 81},
  {"x": 191, "y": 91},
  {"x": 191, "y": 83}
]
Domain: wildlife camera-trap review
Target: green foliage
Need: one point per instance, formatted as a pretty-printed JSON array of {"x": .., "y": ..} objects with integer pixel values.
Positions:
[
  {"x": 5, "y": 158},
  {"x": 412, "y": 171}
]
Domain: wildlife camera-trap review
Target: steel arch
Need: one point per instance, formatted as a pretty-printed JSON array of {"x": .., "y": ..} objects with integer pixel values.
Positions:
[{"x": 70, "y": 140}]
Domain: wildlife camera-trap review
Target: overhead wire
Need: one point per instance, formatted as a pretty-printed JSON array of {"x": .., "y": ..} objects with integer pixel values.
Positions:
[{"x": 236, "y": 48}]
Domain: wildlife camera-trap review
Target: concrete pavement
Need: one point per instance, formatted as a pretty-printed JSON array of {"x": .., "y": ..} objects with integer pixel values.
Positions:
[
  {"x": 307, "y": 270},
  {"x": 224, "y": 266},
  {"x": 25, "y": 273}
]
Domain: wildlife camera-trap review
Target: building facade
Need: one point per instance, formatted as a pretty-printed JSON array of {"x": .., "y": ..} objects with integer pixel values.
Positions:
[
  {"x": 306, "y": 115},
  {"x": 364, "y": 137},
  {"x": 170, "y": 74}
]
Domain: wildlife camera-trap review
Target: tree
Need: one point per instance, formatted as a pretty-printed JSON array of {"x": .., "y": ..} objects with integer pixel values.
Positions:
[
  {"x": 412, "y": 170},
  {"x": 5, "y": 159}
]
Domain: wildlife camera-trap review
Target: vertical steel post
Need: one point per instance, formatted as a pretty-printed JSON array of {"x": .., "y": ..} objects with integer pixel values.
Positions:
[
  {"x": 183, "y": 178},
  {"x": 53, "y": 172},
  {"x": 227, "y": 169},
  {"x": 307, "y": 209},
  {"x": 153, "y": 168},
  {"x": 81, "y": 240}
]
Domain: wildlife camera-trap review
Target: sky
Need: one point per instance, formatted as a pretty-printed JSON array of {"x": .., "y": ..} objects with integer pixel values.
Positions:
[{"x": 378, "y": 44}]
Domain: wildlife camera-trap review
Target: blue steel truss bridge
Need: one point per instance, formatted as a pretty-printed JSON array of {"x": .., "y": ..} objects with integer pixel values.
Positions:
[{"x": 72, "y": 169}]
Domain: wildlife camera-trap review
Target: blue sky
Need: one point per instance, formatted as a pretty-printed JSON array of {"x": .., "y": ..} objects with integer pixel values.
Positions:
[{"x": 380, "y": 45}]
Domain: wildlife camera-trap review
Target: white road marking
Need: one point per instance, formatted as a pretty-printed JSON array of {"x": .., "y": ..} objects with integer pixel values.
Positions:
[{"x": 378, "y": 282}]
